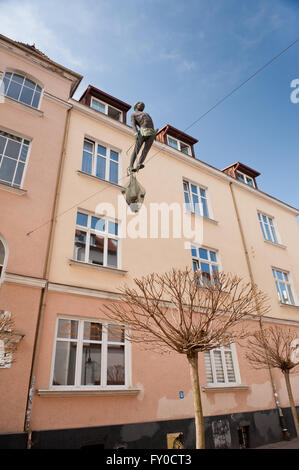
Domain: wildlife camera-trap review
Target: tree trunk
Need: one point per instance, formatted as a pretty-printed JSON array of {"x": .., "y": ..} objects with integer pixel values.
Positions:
[
  {"x": 291, "y": 399},
  {"x": 199, "y": 421}
]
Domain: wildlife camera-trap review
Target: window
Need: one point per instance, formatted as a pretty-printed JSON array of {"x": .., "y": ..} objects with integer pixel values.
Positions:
[
  {"x": 177, "y": 144},
  {"x": 245, "y": 179},
  {"x": 101, "y": 161},
  {"x": 205, "y": 260},
  {"x": 13, "y": 155},
  {"x": 22, "y": 89},
  {"x": 221, "y": 366},
  {"x": 268, "y": 229},
  {"x": 283, "y": 287},
  {"x": 106, "y": 109},
  {"x": 3, "y": 259},
  {"x": 90, "y": 353},
  {"x": 96, "y": 241},
  {"x": 196, "y": 199}
]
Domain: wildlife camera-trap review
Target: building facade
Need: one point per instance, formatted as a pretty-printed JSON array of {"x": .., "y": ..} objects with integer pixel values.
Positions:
[
  {"x": 33, "y": 110},
  {"x": 92, "y": 387}
]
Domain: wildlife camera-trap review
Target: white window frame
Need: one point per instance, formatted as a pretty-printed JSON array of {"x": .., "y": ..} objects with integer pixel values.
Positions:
[
  {"x": 104, "y": 234},
  {"x": 4, "y": 264},
  {"x": 25, "y": 76},
  {"x": 272, "y": 226},
  {"x": 246, "y": 179},
  {"x": 191, "y": 203},
  {"x": 108, "y": 159},
  {"x": 209, "y": 356},
  {"x": 196, "y": 260},
  {"x": 179, "y": 145},
  {"x": 79, "y": 356},
  {"x": 288, "y": 285},
  {"x": 24, "y": 141},
  {"x": 106, "y": 106}
]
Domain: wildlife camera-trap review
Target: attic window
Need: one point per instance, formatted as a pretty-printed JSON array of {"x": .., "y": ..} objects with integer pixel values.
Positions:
[
  {"x": 177, "y": 144},
  {"x": 106, "y": 109},
  {"x": 245, "y": 179}
]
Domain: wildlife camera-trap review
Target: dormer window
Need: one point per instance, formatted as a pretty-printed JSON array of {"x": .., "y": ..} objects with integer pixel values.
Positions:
[
  {"x": 242, "y": 173},
  {"x": 106, "y": 109},
  {"x": 245, "y": 179},
  {"x": 177, "y": 144},
  {"x": 106, "y": 104},
  {"x": 177, "y": 139},
  {"x": 21, "y": 88}
]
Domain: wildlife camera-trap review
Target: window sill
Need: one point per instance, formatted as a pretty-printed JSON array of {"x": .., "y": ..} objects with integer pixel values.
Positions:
[
  {"x": 288, "y": 305},
  {"x": 96, "y": 267},
  {"x": 97, "y": 178},
  {"x": 224, "y": 388},
  {"x": 204, "y": 217},
  {"x": 11, "y": 189},
  {"x": 25, "y": 107},
  {"x": 91, "y": 392},
  {"x": 275, "y": 244}
]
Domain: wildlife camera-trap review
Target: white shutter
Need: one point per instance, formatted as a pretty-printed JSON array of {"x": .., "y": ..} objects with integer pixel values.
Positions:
[
  {"x": 218, "y": 366},
  {"x": 229, "y": 366},
  {"x": 209, "y": 372}
]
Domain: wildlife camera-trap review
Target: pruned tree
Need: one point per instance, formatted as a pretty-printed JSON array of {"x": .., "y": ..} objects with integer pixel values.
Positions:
[
  {"x": 187, "y": 313},
  {"x": 276, "y": 348},
  {"x": 9, "y": 338}
]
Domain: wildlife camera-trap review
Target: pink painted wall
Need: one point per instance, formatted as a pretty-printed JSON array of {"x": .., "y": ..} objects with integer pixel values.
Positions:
[
  {"x": 23, "y": 302},
  {"x": 20, "y": 214},
  {"x": 160, "y": 378}
]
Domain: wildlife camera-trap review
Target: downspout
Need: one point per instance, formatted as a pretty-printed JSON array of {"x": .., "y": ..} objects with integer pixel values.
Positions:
[
  {"x": 42, "y": 306},
  {"x": 282, "y": 423}
]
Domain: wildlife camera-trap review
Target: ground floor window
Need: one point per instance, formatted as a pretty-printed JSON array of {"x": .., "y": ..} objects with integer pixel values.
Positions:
[
  {"x": 221, "y": 366},
  {"x": 90, "y": 353}
]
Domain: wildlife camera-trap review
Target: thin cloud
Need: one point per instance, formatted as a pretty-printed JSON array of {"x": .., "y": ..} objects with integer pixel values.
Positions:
[{"x": 21, "y": 21}]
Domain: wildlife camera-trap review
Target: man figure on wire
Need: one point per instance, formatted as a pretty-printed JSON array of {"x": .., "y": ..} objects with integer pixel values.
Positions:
[{"x": 145, "y": 135}]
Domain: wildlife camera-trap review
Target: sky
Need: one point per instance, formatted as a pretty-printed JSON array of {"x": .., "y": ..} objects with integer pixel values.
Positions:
[{"x": 181, "y": 58}]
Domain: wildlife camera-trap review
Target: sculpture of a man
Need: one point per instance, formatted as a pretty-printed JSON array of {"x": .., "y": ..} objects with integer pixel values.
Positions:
[{"x": 145, "y": 135}]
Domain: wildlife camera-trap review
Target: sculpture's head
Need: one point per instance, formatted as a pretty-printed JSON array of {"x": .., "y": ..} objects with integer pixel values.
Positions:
[{"x": 139, "y": 106}]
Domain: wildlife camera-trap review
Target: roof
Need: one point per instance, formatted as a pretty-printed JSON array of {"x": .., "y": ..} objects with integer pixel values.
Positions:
[
  {"x": 172, "y": 131},
  {"x": 33, "y": 48},
  {"x": 109, "y": 99},
  {"x": 243, "y": 168},
  {"x": 76, "y": 77}
]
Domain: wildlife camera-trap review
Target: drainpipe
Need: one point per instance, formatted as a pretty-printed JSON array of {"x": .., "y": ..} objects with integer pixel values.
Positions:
[
  {"x": 286, "y": 435},
  {"x": 42, "y": 306}
]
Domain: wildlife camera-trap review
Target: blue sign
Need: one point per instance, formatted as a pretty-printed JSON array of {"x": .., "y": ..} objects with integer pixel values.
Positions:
[{"x": 181, "y": 394}]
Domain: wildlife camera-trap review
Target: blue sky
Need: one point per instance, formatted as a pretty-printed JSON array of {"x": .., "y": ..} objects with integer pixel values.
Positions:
[{"x": 180, "y": 58}]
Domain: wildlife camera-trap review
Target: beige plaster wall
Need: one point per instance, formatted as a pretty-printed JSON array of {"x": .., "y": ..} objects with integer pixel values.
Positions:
[{"x": 139, "y": 256}]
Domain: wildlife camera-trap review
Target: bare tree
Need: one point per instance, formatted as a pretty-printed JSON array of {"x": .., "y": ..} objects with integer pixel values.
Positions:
[
  {"x": 276, "y": 348},
  {"x": 187, "y": 313},
  {"x": 9, "y": 338}
]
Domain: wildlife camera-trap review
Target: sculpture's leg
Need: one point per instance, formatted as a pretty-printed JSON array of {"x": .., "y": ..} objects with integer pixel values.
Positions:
[
  {"x": 138, "y": 144},
  {"x": 148, "y": 143}
]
